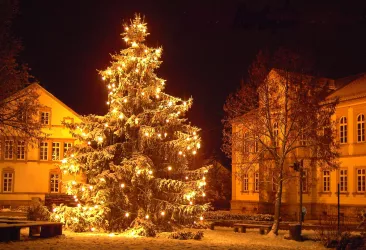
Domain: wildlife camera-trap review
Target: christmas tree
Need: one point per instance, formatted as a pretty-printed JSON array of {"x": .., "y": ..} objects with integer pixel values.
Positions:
[{"x": 136, "y": 160}]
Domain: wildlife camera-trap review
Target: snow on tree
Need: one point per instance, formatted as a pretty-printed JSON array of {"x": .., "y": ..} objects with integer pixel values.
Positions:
[{"x": 137, "y": 158}]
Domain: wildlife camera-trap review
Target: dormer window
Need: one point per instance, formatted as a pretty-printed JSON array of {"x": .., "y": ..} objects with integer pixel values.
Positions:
[{"x": 45, "y": 118}]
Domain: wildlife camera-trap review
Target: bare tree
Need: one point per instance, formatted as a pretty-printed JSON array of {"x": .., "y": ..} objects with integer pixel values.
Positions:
[
  {"x": 282, "y": 118},
  {"x": 18, "y": 97}
]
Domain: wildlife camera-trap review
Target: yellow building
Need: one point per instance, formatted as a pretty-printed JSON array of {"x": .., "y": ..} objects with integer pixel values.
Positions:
[
  {"x": 30, "y": 171},
  {"x": 320, "y": 186}
]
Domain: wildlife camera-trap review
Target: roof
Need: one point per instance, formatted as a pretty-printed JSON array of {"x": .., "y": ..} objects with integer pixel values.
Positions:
[
  {"x": 36, "y": 85},
  {"x": 351, "y": 87}
]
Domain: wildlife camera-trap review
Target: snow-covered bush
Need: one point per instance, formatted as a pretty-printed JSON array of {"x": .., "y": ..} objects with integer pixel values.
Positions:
[
  {"x": 36, "y": 211},
  {"x": 227, "y": 215},
  {"x": 186, "y": 235},
  {"x": 143, "y": 227}
]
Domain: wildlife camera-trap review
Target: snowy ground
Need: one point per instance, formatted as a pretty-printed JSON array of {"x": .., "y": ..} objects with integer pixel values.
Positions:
[{"x": 220, "y": 238}]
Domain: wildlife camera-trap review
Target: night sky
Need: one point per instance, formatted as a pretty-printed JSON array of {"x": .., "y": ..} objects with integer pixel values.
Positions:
[{"x": 207, "y": 46}]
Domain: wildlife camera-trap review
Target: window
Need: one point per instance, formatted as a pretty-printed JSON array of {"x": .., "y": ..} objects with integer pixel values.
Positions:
[
  {"x": 245, "y": 186},
  {"x": 67, "y": 146},
  {"x": 275, "y": 134},
  {"x": 256, "y": 144},
  {"x": 45, "y": 118},
  {"x": 55, "y": 151},
  {"x": 22, "y": 116},
  {"x": 343, "y": 130},
  {"x": 8, "y": 179},
  {"x": 302, "y": 138},
  {"x": 246, "y": 142},
  {"x": 54, "y": 183},
  {"x": 361, "y": 179},
  {"x": 21, "y": 150},
  {"x": 8, "y": 150},
  {"x": 343, "y": 180},
  {"x": 360, "y": 128},
  {"x": 326, "y": 181},
  {"x": 256, "y": 182},
  {"x": 43, "y": 151},
  {"x": 305, "y": 180}
]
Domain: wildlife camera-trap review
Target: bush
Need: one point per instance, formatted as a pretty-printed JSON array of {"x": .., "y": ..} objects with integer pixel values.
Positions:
[
  {"x": 227, "y": 215},
  {"x": 143, "y": 227},
  {"x": 37, "y": 211},
  {"x": 186, "y": 235},
  {"x": 327, "y": 233}
]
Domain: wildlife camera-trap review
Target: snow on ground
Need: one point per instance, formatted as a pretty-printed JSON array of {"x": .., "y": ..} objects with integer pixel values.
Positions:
[{"x": 220, "y": 238}]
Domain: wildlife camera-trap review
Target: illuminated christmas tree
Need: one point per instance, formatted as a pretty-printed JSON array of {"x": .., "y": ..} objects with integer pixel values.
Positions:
[{"x": 136, "y": 159}]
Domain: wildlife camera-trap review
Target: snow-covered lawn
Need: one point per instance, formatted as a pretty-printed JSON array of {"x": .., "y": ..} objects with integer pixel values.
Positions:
[{"x": 220, "y": 238}]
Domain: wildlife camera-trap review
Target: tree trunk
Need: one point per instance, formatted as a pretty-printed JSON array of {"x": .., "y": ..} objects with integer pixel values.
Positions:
[{"x": 276, "y": 222}]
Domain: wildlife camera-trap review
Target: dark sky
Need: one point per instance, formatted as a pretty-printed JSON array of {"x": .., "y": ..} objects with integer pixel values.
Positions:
[{"x": 207, "y": 45}]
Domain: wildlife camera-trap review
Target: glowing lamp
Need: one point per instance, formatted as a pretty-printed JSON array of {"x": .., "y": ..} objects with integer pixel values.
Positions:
[
  {"x": 147, "y": 217},
  {"x": 127, "y": 214}
]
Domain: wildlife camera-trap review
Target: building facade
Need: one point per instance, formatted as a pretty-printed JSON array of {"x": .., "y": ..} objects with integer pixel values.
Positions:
[
  {"x": 30, "y": 171},
  {"x": 254, "y": 192}
]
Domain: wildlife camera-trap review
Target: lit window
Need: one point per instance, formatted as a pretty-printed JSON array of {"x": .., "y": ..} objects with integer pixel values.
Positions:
[
  {"x": 256, "y": 182},
  {"x": 43, "y": 151},
  {"x": 343, "y": 180},
  {"x": 326, "y": 181},
  {"x": 246, "y": 142},
  {"x": 343, "y": 130},
  {"x": 55, "y": 151},
  {"x": 45, "y": 118},
  {"x": 20, "y": 150},
  {"x": 8, "y": 179},
  {"x": 305, "y": 180},
  {"x": 302, "y": 138},
  {"x": 67, "y": 146},
  {"x": 256, "y": 144},
  {"x": 55, "y": 182},
  {"x": 361, "y": 179},
  {"x": 245, "y": 183},
  {"x": 275, "y": 134},
  {"x": 22, "y": 116},
  {"x": 361, "y": 128},
  {"x": 8, "y": 150}
]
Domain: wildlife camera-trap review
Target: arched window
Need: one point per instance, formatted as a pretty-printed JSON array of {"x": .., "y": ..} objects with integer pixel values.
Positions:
[
  {"x": 343, "y": 130},
  {"x": 361, "y": 128},
  {"x": 275, "y": 134}
]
